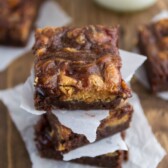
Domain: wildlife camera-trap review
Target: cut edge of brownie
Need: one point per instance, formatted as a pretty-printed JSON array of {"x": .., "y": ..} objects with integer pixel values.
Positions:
[{"x": 42, "y": 103}]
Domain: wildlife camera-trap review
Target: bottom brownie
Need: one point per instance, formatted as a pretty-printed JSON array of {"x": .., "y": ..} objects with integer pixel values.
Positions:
[
  {"x": 46, "y": 148},
  {"x": 42, "y": 103}
]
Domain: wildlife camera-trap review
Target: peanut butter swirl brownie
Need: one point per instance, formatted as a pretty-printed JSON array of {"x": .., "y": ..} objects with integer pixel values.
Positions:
[{"x": 78, "y": 68}]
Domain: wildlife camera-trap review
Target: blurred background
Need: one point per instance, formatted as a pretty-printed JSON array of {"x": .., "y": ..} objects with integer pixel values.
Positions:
[{"x": 129, "y": 15}]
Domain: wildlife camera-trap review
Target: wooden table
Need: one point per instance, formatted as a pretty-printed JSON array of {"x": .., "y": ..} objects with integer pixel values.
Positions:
[{"x": 12, "y": 150}]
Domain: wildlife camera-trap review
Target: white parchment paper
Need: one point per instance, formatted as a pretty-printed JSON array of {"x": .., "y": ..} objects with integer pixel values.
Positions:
[
  {"x": 50, "y": 15},
  {"x": 130, "y": 63},
  {"x": 23, "y": 122},
  {"x": 141, "y": 73},
  {"x": 106, "y": 145},
  {"x": 82, "y": 122},
  {"x": 128, "y": 58},
  {"x": 144, "y": 149},
  {"x": 79, "y": 121}
]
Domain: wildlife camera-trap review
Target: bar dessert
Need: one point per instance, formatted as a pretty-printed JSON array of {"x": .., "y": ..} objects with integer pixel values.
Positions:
[
  {"x": 153, "y": 42},
  {"x": 46, "y": 147},
  {"x": 16, "y": 20},
  {"x": 78, "y": 68},
  {"x": 66, "y": 140}
]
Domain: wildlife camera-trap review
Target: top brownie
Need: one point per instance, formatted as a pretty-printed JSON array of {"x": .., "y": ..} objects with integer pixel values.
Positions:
[
  {"x": 78, "y": 68},
  {"x": 153, "y": 42},
  {"x": 16, "y": 20}
]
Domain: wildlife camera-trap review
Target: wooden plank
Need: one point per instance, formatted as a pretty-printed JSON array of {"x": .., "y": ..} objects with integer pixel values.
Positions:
[
  {"x": 3, "y": 124},
  {"x": 12, "y": 150},
  {"x": 3, "y": 135},
  {"x": 17, "y": 154}
]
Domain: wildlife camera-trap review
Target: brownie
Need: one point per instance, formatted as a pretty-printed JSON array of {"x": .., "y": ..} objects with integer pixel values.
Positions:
[
  {"x": 153, "y": 42},
  {"x": 65, "y": 140},
  {"x": 111, "y": 160},
  {"x": 16, "y": 20},
  {"x": 78, "y": 68},
  {"x": 46, "y": 147}
]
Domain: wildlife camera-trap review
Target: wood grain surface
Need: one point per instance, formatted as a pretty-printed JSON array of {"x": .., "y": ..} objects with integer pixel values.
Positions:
[{"x": 12, "y": 150}]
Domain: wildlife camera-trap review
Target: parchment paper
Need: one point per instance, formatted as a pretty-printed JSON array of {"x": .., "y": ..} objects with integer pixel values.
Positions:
[
  {"x": 74, "y": 119},
  {"x": 25, "y": 121},
  {"x": 144, "y": 149}
]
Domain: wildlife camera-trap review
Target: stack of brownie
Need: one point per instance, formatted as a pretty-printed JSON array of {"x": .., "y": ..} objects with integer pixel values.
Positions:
[
  {"x": 79, "y": 69},
  {"x": 153, "y": 42}
]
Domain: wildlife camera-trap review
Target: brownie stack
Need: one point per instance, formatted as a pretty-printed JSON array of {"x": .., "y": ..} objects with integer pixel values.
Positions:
[{"x": 79, "y": 69}]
